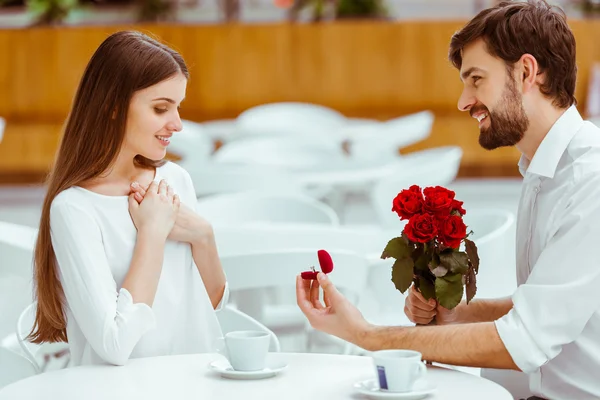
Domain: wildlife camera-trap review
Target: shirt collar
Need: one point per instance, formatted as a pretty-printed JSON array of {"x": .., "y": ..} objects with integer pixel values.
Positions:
[{"x": 546, "y": 158}]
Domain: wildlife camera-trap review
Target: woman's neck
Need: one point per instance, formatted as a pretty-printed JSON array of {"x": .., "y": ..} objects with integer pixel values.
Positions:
[{"x": 117, "y": 180}]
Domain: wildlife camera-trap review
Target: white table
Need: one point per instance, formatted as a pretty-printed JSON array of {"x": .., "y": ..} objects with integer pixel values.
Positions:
[{"x": 308, "y": 376}]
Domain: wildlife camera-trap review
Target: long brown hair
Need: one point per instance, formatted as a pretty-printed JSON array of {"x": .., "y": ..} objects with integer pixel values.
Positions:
[
  {"x": 514, "y": 28},
  {"x": 124, "y": 63}
]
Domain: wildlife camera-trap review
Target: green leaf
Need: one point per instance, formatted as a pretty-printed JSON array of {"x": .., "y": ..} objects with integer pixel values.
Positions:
[
  {"x": 455, "y": 261},
  {"x": 471, "y": 249},
  {"x": 422, "y": 262},
  {"x": 471, "y": 284},
  {"x": 449, "y": 290},
  {"x": 402, "y": 273},
  {"x": 396, "y": 248},
  {"x": 427, "y": 288}
]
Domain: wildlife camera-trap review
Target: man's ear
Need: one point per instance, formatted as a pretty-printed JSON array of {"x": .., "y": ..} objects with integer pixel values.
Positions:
[{"x": 529, "y": 72}]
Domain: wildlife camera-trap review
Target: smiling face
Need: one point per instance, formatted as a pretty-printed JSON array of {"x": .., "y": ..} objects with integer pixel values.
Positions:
[
  {"x": 153, "y": 117},
  {"x": 491, "y": 96}
]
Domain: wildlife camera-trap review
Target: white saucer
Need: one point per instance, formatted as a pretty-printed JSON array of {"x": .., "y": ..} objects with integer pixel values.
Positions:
[
  {"x": 223, "y": 367},
  {"x": 370, "y": 388}
]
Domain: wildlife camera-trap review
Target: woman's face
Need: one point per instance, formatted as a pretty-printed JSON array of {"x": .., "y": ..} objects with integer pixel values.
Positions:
[{"x": 153, "y": 117}]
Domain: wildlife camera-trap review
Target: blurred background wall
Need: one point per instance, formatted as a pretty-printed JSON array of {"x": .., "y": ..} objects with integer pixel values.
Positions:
[{"x": 364, "y": 63}]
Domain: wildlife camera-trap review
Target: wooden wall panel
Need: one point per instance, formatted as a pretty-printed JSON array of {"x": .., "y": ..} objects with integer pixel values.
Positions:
[{"x": 368, "y": 69}]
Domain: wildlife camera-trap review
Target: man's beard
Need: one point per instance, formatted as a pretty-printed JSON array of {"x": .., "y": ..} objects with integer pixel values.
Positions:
[{"x": 508, "y": 122}]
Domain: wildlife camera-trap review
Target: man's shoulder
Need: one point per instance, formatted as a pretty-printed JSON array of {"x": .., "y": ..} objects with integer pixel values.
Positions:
[{"x": 584, "y": 153}]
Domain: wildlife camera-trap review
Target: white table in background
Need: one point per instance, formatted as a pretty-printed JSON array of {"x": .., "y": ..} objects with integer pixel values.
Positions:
[{"x": 308, "y": 376}]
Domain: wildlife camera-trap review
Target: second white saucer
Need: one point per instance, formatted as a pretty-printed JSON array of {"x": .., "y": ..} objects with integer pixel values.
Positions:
[{"x": 370, "y": 388}]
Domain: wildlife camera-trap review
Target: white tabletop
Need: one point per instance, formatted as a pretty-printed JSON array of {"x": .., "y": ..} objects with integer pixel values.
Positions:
[{"x": 308, "y": 376}]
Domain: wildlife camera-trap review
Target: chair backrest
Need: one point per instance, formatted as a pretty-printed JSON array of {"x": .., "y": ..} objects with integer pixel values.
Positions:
[
  {"x": 265, "y": 207},
  {"x": 383, "y": 140},
  {"x": 231, "y": 320},
  {"x": 494, "y": 235},
  {"x": 16, "y": 273},
  {"x": 290, "y": 118},
  {"x": 24, "y": 326},
  {"x": 14, "y": 367},
  {"x": 220, "y": 130},
  {"x": 213, "y": 178},
  {"x": 192, "y": 142},
  {"x": 437, "y": 166},
  {"x": 16, "y": 249},
  {"x": 296, "y": 153},
  {"x": 235, "y": 239}
]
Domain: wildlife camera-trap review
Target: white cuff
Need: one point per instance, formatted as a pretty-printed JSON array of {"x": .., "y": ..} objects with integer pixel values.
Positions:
[
  {"x": 139, "y": 315},
  {"x": 524, "y": 351}
]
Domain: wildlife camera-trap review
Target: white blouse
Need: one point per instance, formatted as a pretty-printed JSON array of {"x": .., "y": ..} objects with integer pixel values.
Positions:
[{"x": 93, "y": 238}]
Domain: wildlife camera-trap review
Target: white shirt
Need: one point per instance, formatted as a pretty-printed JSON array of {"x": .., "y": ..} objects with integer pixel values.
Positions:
[
  {"x": 93, "y": 238},
  {"x": 553, "y": 330}
]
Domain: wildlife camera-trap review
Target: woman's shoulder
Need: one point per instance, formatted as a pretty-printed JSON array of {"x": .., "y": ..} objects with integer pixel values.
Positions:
[
  {"x": 180, "y": 179},
  {"x": 74, "y": 199},
  {"x": 174, "y": 173},
  {"x": 171, "y": 169}
]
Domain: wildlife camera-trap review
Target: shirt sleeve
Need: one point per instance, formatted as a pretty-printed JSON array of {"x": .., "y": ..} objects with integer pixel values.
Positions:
[
  {"x": 560, "y": 296},
  {"x": 110, "y": 321}
]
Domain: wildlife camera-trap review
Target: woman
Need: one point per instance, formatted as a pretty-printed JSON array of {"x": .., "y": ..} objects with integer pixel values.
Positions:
[{"x": 119, "y": 274}]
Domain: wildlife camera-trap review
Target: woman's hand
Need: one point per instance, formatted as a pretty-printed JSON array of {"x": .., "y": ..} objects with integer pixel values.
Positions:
[
  {"x": 158, "y": 210},
  {"x": 189, "y": 227}
]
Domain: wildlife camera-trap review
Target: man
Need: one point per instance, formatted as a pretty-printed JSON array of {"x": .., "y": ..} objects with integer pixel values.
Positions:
[{"x": 517, "y": 63}]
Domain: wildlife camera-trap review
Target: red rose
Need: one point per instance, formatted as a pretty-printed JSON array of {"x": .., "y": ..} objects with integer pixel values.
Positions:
[
  {"x": 452, "y": 231},
  {"x": 457, "y": 206},
  {"x": 408, "y": 202},
  {"x": 421, "y": 228},
  {"x": 438, "y": 200}
]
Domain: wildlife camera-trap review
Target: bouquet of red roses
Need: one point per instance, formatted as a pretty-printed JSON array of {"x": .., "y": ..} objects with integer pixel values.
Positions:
[{"x": 428, "y": 251}]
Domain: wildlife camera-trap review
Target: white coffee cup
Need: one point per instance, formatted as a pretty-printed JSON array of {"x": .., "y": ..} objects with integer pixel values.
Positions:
[
  {"x": 398, "y": 370},
  {"x": 246, "y": 350}
]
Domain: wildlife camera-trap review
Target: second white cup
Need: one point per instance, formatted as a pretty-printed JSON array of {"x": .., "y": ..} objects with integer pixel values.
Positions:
[{"x": 398, "y": 370}]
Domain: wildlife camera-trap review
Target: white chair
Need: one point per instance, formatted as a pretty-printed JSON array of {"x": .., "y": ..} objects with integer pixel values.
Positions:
[
  {"x": 39, "y": 355},
  {"x": 278, "y": 269},
  {"x": 291, "y": 118},
  {"x": 16, "y": 273},
  {"x": 16, "y": 247},
  {"x": 494, "y": 235},
  {"x": 235, "y": 239},
  {"x": 437, "y": 166},
  {"x": 14, "y": 367},
  {"x": 232, "y": 319},
  {"x": 220, "y": 130},
  {"x": 264, "y": 207},
  {"x": 192, "y": 143},
  {"x": 381, "y": 141},
  {"x": 295, "y": 153},
  {"x": 2, "y": 126},
  {"x": 214, "y": 178}
]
